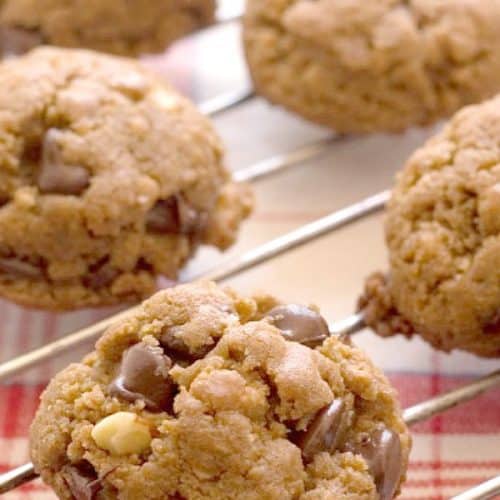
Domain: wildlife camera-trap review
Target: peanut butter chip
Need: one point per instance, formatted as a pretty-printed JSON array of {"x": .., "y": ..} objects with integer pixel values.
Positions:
[
  {"x": 122, "y": 433},
  {"x": 82, "y": 481},
  {"x": 19, "y": 269},
  {"x": 325, "y": 432},
  {"x": 54, "y": 176},
  {"x": 300, "y": 324},
  {"x": 144, "y": 376},
  {"x": 382, "y": 452},
  {"x": 131, "y": 83},
  {"x": 173, "y": 216},
  {"x": 15, "y": 41}
]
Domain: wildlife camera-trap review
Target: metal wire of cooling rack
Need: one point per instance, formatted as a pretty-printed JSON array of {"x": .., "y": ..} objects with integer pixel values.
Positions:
[
  {"x": 248, "y": 260},
  {"x": 483, "y": 491}
]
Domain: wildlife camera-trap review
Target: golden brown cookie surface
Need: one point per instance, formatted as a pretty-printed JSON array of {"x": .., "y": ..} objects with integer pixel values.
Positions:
[
  {"x": 108, "y": 179},
  {"x": 116, "y": 26},
  {"x": 365, "y": 66},
  {"x": 443, "y": 234},
  {"x": 199, "y": 395}
]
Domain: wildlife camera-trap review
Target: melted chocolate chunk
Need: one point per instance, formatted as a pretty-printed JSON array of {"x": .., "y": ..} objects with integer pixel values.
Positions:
[
  {"x": 100, "y": 276},
  {"x": 492, "y": 327},
  {"x": 382, "y": 452},
  {"x": 325, "y": 432},
  {"x": 18, "y": 268},
  {"x": 178, "y": 348},
  {"x": 15, "y": 41},
  {"x": 174, "y": 216},
  {"x": 300, "y": 324},
  {"x": 82, "y": 481},
  {"x": 144, "y": 376},
  {"x": 54, "y": 176}
]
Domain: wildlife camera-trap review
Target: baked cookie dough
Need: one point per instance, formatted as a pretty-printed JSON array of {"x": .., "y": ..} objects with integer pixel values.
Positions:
[
  {"x": 365, "y": 66},
  {"x": 443, "y": 235},
  {"x": 108, "y": 179},
  {"x": 118, "y": 26},
  {"x": 207, "y": 394}
]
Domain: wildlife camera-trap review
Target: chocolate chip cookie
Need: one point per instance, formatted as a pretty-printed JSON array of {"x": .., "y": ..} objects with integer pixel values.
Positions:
[
  {"x": 108, "y": 179},
  {"x": 362, "y": 66},
  {"x": 207, "y": 394},
  {"x": 443, "y": 235},
  {"x": 117, "y": 26}
]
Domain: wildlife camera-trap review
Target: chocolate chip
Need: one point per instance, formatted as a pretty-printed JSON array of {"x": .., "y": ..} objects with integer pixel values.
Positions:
[
  {"x": 325, "y": 432},
  {"x": 82, "y": 481},
  {"x": 144, "y": 376},
  {"x": 178, "y": 348},
  {"x": 382, "y": 452},
  {"x": 54, "y": 175},
  {"x": 18, "y": 268},
  {"x": 15, "y": 41},
  {"x": 492, "y": 327},
  {"x": 100, "y": 276},
  {"x": 300, "y": 324},
  {"x": 174, "y": 216}
]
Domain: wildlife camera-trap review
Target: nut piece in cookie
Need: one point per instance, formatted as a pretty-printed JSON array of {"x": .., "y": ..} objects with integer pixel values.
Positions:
[
  {"x": 362, "y": 66},
  {"x": 115, "y": 26},
  {"x": 152, "y": 411},
  {"x": 443, "y": 236},
  {"x": 110, "y": 180}
]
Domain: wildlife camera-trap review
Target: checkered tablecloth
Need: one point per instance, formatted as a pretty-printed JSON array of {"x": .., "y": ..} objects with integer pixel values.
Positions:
[{"x": 451, "y": 452}]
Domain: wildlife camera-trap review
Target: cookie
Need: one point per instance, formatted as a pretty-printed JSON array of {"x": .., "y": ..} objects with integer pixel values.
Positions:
[
  {"x": 443, "y": 236},
  {"x": 385, "y": 65},
  {"x": 108, "y": 179},
  {"x": 116, "y": 26},
  {"x": 207, "y": 394}
]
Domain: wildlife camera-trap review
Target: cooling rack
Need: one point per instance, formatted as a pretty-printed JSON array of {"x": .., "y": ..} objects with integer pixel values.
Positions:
[{"x": 275, "y": 165}]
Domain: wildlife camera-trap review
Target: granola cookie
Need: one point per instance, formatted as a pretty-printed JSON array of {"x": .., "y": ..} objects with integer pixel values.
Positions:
[
  {"x": 362, "y": 66},
  {"x": 108, "y": 179},
  {"x": 443, "y": 234},
  {"x": 118, "y": 26},
  {"x": 206, "y": 394}
]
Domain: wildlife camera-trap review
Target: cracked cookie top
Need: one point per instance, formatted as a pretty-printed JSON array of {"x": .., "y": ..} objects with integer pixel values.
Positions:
[
  {"x": 443, "y": 234},
  {"x": 108, "y": 178},
  {"x": 365, "y": 66},
  {"x": 207, "y": 394},
  {"x": 116, "y": 26}
]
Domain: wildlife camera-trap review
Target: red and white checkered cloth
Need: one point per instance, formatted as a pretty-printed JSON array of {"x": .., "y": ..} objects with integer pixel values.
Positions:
[{"x": 451, "y": 452}]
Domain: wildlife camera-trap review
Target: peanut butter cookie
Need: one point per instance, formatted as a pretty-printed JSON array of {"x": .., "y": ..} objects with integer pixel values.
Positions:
[
  {"x": 443, "y": 235},
  {"x": 207, "y": 394},
  {"x": 118, "y": 26},
  {"x": 365, "y": 66},
  {"x": 108, "y": 179}
]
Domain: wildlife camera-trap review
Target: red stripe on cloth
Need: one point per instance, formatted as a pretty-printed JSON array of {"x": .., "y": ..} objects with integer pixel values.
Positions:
[
  {"x": 21, "y": 403},
  {"x": 464, "y": 483},
  {"x": 456, "y": 464}
]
